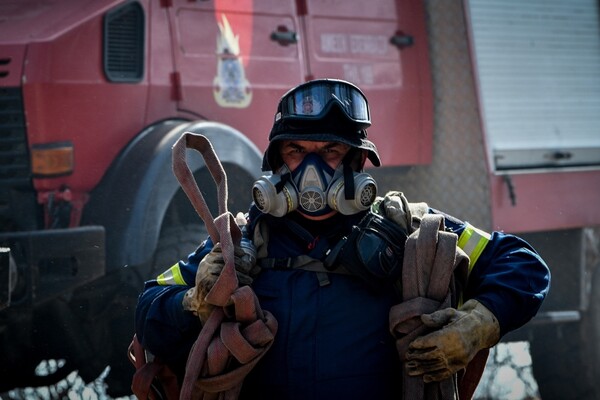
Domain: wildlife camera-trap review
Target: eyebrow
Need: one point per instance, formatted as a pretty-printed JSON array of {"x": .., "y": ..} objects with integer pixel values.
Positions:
[
  {"x": 328, "y": 146},
  {"x": 293, "y": 146}
]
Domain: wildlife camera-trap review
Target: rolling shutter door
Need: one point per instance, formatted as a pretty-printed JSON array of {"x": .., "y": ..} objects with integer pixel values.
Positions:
[{"x": 538, "y": 66}]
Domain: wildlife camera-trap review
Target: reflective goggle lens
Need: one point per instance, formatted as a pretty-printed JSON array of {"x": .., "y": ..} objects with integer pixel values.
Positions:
[{"x": 314, "y": 100}]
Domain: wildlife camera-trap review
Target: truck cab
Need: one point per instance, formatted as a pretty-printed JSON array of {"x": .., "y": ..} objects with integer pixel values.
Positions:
[
  {"x": 484, "y": 109},
  {"x": 94, "y": 93}
]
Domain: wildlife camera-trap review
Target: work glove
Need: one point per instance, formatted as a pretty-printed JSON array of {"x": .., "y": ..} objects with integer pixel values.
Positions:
[
  {"x": 395, "y": 207},
  {"x": 464, "y": 332},
  {"x": 209, "y": 271}
]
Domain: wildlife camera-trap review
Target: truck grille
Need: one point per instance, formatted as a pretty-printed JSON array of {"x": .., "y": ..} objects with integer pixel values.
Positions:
[
  {"x": 15, "y": 169},
  {"x": 16, "y": 190}
]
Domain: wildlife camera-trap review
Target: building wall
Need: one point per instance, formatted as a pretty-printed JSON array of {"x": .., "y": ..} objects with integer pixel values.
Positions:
[{"x": 457, "y": 179}]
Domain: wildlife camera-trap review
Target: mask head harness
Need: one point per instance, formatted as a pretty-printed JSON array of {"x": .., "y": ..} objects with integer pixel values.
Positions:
[{"x": 320, "y": 110}]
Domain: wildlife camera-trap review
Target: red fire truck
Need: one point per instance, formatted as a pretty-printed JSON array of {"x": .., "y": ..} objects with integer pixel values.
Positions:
[{"x": 475, "y": 108}]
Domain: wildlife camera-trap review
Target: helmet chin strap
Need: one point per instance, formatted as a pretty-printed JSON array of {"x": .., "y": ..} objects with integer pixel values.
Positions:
[
  {"x": 348, "y": 175},
  {"x": 348, "y": 182},
  {"x": 285, "y": 178}
]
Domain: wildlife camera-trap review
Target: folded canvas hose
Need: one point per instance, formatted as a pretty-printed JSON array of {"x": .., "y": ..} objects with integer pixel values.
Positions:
[
  {"x": 153, "y": 379},
  {"x": 238, "y": 333},
  {"x": 432, "y": 260}
]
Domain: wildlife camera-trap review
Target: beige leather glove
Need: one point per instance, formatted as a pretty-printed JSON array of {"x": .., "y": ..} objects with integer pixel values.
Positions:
[
  {"x": 209, "y": 271},
  {"x": 396, "y": 208},
  {"x": 463, "y": 333}
]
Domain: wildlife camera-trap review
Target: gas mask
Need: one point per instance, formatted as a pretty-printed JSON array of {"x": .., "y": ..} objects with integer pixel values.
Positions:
[{"x": 315, "y": 189}]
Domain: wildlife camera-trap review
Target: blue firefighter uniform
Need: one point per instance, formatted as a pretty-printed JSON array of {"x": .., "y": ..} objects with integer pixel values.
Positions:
[{"x": 333, "y": 339}]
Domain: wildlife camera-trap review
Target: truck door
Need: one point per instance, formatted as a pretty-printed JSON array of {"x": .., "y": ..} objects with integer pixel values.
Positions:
[
  {"x": 234, "y": 59},
  {"x": 381, "y": 46}
]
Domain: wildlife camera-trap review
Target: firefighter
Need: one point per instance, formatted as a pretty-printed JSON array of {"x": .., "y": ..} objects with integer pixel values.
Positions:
[{"x": 334, "y": 339}]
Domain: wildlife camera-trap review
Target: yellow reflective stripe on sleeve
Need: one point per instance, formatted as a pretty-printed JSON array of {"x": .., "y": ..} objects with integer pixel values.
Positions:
[
  {"x": 172, "y": 276},
  {"x": 473, "y": 241}
]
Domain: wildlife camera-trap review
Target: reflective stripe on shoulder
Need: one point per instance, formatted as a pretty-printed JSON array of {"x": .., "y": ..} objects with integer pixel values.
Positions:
[
  {"x": 172, "y": 276},
  {"x": 473, "y": 240}
]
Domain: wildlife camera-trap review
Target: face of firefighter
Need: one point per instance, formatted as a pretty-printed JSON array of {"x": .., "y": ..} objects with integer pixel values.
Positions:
[{"x": 293, "y": 152}]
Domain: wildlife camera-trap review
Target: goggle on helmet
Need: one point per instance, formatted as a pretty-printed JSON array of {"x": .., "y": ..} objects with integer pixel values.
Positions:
[
  {"x": 312, "y": 101},
  {"x": 330, "y": 110}
]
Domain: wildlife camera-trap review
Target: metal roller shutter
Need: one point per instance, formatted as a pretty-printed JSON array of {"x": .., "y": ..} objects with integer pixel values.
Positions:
[{"x": 538, "y": 67}]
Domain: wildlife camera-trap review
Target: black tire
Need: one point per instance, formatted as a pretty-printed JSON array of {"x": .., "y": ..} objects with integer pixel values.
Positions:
[
  {"x": 175, "y": 243},
  {"x": 567, "y": 357}
]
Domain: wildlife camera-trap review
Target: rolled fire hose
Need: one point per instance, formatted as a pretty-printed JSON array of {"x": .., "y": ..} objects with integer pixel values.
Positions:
[
  {"x": 238, "y": 332},
  {"x": 431, "y": 263}
]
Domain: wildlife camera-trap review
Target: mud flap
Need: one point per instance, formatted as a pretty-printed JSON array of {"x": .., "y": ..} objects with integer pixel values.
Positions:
[{"x": 5, "y": 281}]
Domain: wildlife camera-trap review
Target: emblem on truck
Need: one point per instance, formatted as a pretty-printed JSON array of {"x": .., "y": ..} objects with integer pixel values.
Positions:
[{"x": 230, "y": 86}]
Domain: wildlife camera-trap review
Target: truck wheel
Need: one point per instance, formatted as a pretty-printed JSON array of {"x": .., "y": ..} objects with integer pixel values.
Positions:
[
  {"x": 175, "y": 243},
  {"x": 567, "y": 357}
]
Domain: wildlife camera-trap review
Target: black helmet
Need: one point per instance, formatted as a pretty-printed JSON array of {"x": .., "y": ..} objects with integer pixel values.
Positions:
[{"x": 324, "y": 110}]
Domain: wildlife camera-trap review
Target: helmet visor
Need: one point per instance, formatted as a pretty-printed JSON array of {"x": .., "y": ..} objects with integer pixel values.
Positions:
[{"x": 313, "y": 101}]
